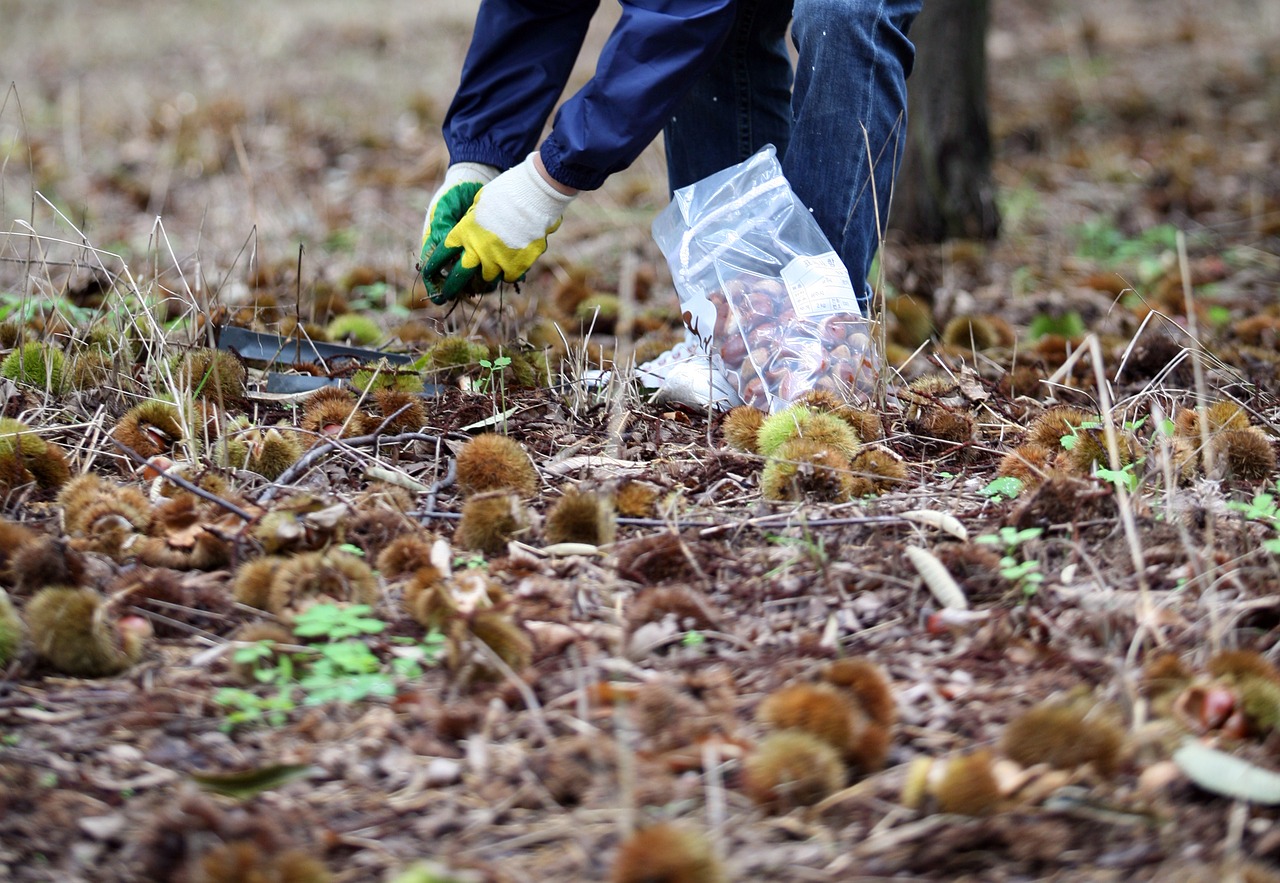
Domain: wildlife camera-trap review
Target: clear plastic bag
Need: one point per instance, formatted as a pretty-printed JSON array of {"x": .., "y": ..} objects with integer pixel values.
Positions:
[{"x": 763, "y": 290}]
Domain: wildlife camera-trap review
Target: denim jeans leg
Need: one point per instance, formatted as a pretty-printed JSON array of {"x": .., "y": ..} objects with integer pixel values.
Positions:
[
  {"x": 741, "y": 104},
  {"x": 849, "y": 119}
]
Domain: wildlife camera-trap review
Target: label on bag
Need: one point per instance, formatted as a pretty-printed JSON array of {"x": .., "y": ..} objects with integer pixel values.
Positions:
[{"x": 819, "y": 285}]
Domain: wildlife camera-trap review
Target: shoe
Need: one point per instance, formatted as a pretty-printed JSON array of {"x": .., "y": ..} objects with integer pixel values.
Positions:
[{"x": 683, "y": 375}]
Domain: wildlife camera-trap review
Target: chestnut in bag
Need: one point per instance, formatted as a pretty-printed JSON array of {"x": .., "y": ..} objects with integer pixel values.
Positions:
[{"x": 762, "y": 289}]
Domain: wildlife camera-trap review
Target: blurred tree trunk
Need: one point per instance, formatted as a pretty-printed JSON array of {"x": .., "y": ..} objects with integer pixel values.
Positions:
[{"x": 944, "y": 189}]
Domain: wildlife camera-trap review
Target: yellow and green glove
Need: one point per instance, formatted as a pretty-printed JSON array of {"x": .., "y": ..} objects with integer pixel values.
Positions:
[
  {"x": 502, "y": 233},
  {"x": 462, "y": 181}
]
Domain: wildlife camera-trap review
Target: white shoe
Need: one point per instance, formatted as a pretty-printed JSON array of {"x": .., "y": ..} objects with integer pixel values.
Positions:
[{"x": 684, "y": 375}]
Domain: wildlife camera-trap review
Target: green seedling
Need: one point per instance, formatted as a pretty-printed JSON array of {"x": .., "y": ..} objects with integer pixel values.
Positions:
[
  {"x": 492, "y": 371},
  {"x": 494, "y": 378},
  {"x": 473, "y": 561},
  {"x": 1024, "y": 573},
  {"x": 336, "y": 623},
  {"x": 1066, "y": 325},
  {"x": 1006, "y": 487},
  {"x": 1072, "y": 438},
  {"x": 1126, "y": 476},
  {"x": 1262, "y": 508},
  {"x": 343, "y": 668},
  {"x": 812, "y": 548}
]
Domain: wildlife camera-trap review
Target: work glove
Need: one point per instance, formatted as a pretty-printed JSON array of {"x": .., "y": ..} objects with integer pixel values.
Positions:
[
  {"x": 503, "y": 232},
  {"x": 462, "y": 181}
]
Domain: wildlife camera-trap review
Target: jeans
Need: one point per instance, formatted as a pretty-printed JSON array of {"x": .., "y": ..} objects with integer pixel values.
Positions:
[{"x": 838, "y": 121}]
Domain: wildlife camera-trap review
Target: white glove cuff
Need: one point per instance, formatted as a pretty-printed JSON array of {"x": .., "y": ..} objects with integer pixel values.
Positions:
[
  {"x": 468, "y": 173},
  {"x": 531, "y": 189}
]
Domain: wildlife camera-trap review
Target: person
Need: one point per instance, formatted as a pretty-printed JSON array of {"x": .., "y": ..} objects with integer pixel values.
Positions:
[{"x": 715, "y": 77}]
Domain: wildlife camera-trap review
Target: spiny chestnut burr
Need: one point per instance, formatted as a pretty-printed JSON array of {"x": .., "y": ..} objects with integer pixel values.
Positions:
[
  {"x": 821, "y": 710},
  {"x": 150, "y": 428},
  {"x": 71, "y": 632},
  {"x": 874, "y": 470},
  {"x": 1063, "y": 737},
  {"x": 1053, "y": 425},
  {"x": 494, "y": 462},
  {"x": 490, "y": 521},
  {"x": 581, "y": 516},
  {"x": 327, "y": 574},
  {"x": 1242, "y": 663},
  {"x": 212, "y": 374},
  {"x": 792, "y": 768},
  {"x": 11, "y": 630},
  {"x": 666, "y": 853},
  {"x": 405, "y": 554},
  {"x": 251, "y": 584},
  {"x": 636, "y": 499},
  {"x": 331, "y": 411},
  {"x": 807, "y": 469},
  {"x": 968, "y": 785},
  {"x": 868, "y": 683},
  {"x": 26, "y": 457},
  {"x": 800, "y": 421},
  {"x": 1029, "y": 463},
  {"x": 741, "y": 428},
  {"x": 1245, "y": 454},
  {"x": 241, "y": 861}
]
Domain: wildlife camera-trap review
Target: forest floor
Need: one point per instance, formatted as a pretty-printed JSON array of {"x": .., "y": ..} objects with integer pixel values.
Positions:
[{"x": 266, "y": 165}]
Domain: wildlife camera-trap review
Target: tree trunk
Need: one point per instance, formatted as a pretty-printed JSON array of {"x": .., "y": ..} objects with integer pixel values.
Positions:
[{"x": 944, "y": 189}]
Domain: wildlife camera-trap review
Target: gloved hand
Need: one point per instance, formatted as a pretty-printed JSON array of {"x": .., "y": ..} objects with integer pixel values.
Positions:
[
  {"x": 462, "y": 181},
  {"x": 501, "y": 235}
]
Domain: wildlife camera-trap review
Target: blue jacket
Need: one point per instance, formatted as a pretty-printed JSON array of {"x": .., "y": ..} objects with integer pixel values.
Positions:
[{"x": 521, "y": 55}]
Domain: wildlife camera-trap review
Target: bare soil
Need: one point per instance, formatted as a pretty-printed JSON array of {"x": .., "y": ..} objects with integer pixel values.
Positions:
[{"x": 254, "y": 163}]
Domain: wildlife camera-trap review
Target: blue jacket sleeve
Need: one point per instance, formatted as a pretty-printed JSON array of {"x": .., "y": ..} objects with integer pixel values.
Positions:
[{"x": 522, "y": 53}]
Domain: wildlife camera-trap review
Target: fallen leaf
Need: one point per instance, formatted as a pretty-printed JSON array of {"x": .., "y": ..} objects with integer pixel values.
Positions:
[
  {"x": 1225, "y": 774},
  {"x": 249, "y": 783}
]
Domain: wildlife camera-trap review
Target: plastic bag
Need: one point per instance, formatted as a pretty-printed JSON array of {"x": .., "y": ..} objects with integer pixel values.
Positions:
[{"x": 762, "y": 289}]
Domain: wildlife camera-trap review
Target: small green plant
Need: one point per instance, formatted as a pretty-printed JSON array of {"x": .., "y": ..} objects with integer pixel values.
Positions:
[
  {"x": 1100, "y": 239},
  {"x": 492, "y": 371},
  {"x": 1126, "y": 475},
  {"x": 247, "y": 707},
  {"x": 1262, "y": 508},
  {"x": 337, "y": 623},
  {"x": 494, "y": 379},
  {"x": 472, "y": 561},
  {"x": 810, "y": 547},
  {"x": 24, "y": 307},
  {"x": 342, "y": 668},
  {"x": 1025, "y": 573},
  {"x": 1068, "y": 324},
  {"x": 1072, "y": 438},
  {"x": 1069, "y": 440},
  {"x": 1006, "y": 487}
]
